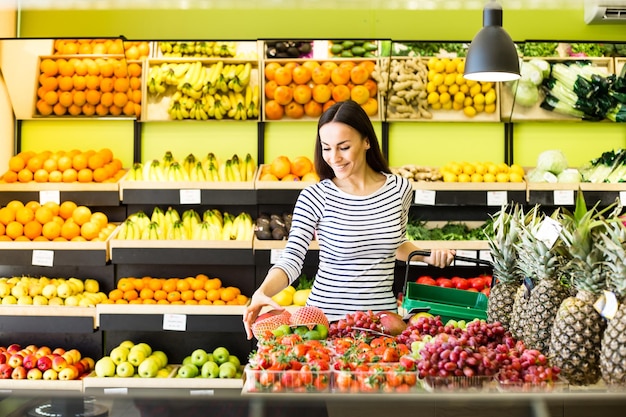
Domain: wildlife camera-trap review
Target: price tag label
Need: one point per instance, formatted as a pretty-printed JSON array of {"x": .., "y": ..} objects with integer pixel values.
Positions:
[
  {"x": 563, "y": 197},
  {"x": 485, "y": 255},
  {"x": 53, "y": 196},
  {"x": 465, "y": 254},
  {"x": 606, "y": 305},
  {"x": 549, "y": 231},
  {"x": 274, "y": 255},
  {"x": 199, "y": 392},
  {"x": 176, "y": 322},
  {"x": 622, "y": 196},
  {"x": 497, "y": 198},
  {"x": 115, "y": 391},
  {"x": 425, "y": 197},
  {"x": 43, "y": 257},
  {"x": 190, "y": 197}
]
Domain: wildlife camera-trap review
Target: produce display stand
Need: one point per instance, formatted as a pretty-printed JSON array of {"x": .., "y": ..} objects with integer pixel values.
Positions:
[
  {"x": 468, "y": 193},
  {"x": 48, "y": 319},
  {"x": 88, "y": 194},
  {"x": 36, "y": 387}
]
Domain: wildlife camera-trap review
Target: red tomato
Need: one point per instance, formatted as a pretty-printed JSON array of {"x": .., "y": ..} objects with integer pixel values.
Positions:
[
  {"x": 462, "y": 284},
  {"x": 477, "y": 282},
  {"x": 487, "y": 279},
  {"x": 426, "y": 280},
  {"x": 472, "y": 290},
  {"x": 445, "y": 282},
  {"x": 486, "y": 291}
]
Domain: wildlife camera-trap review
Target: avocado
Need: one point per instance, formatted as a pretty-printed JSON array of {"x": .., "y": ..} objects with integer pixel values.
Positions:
[
  {"x": 305, "y": 48},
  {"x": 263, "y": 234},
  {"x": 293, "y": 52},
  {"x": 370, "y": 46},
  {"x": 347, "y": 44},
  {"x": 336, "y": 49},
  {"x": 346, "y": 53},
  {"x": 281, "y": 46},
  {"x": 276, "y": 223},
  {"x": 358, "y": 50}
]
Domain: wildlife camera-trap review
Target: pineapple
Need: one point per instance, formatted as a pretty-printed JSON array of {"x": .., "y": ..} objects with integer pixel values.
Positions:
[
  {"x": 543, "y": 263},
  {"x": 504, "y": 257},
  {"x": 577, "y": 330},
  {"x": 613, "y": 346}
]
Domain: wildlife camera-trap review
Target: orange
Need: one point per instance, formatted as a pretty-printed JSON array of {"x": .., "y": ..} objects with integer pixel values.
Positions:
[
  {"x": 196, "y": 284},
  {"x": 7, "y": 215},
  {"x": 280, "y": 166},
  {"x": 213, "y": 294},
  {"x": 155, "y": 284},
  {"x": 360, "y": 94},
  {"x": 70, "y": 230},
  {"x": 371, "y": 107},
  {"x": 15, "y": 205},
  {"x": 301, "y": 166},
  {"x": 14, "y": 229},
  {"x": 32, "y": 229},
  {"x": 81, "y": 215},
  {"x": 341, "y": 93},
  {"x": 301, "y": 74},
  {"x": 270, "y": 89},
  {"x": 228, "y": 294},
  {"x": 34, "y": 163},
  {"x": 283, "y": 95},
  {"x": 44, "y": 108},
  {"x": 49, "y": 67},
  {"x": 50, "y": 164},
  {"x": 131, "y": 295},
  {"x": 116, "y": 294},
  {"x": 328, "y": 105},
  {"x": 182, "y": 285},
  {"x": 119, "y": 100},
  {"x": 169, "y": 285},
  {"x": 371, "y": 86},
  {"x": 270, "y": 70},
  {"x": 33, "y": 205},
  {"x": 66, "y": 209},
  {"x": 24, "y": 215},
  {"x": 80, "y": 83},
  {"x": 313, "y": 109},
  {"x": 79, "y": 162},
  {"x": 106, "y": 154},
  {"x": 50, "y": 83},
  {"x": 25, "y": 175},
  {"x": 41, "y": 175},
  {"x": 186, "y": 295},
  {"x": 90, "y": 230},
  {"x": 320, "y": 75},
  {"x": 89, "y": 109},
  {"x": 212, "y": 284},
  {"x": 100, "y": 219},
  {"x": 302, "y": 94},
  {"x": 294, "y": 110},
  {"x": 173, "y": 296},
  {"x": 95, "y": 161},
  {"x": 311, "y": 65},
  {"x": 64, "y": 162},
  {"x": 329, "y": 65},
  {"x": 273, "y": 110},
  {"x": 143, "y": 48},
  {"x": 134, "y": 69},
  {"x": 359, "y": 74},
  {"x": 92, "y": 97},
  {"x": 43, "y": 214},
  {"x": 146, "y": 293},
  {"x": 290, "y": 177},
  {"x": 70, "y": 175},
  {"x": 241, "y": 299},
  {"x": 9, "y": 176},
  {"x": 219, "y": 302},
  {"x": 340, "y": 75},
  {"x": 85, "y": 175},
  {"x": 321, "y": 93},
  {"x": 160, "y": 295},
  {"x": 51, "y": 230}
]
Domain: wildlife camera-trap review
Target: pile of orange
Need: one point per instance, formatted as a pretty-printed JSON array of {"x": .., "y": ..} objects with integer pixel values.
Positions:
[
  {"x": 199, "y": 289},
  {"x": 62, "y": 166},
  {"x": 131, "y": 50},
  {"x": 295, "y": 90},
  {"x": 282, "y": 168},
  {"x": 50, "y": 221},
  {"x": 88, "y": 86}
]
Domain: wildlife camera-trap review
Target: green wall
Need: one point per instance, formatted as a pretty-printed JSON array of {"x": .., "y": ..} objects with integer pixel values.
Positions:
[{"x": 423, "y": 143}]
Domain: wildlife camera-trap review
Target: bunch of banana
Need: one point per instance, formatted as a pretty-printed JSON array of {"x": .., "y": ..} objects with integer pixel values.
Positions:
[
  {"x": 156, "y": 82},
  {"x": 225, "y": 49},
  {"x": 186, "y": 48},
  {"x": 193, "y": 81},
  {"x": 172, "y": 72},
  {"x": 251, "y": 103}
]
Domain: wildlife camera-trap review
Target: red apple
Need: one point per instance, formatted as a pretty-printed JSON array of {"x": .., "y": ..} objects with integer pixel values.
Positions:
[
  {"x": 5, "y": 371},
  {"x": 69, "y": 358},
  {"x": 88, "y": 363},
  {"x": 30, "y": 361},
  {"x": 34, "y": 373},
  {"x": 14, "y": 348},
  {"x": 59, "y": 351},
  {"x": 68, "y": 373},
  {"x": 59, "y": 363},
  {"x": 31, "y": 348},
  {"x": 43, "y": 351},
  {"x": 80, "y": 368},
  {"x": 75, "y": 354},
  {"x": 4, "y": 357},
  {"x": 18, "y": 373},
  {"x": 3, "y": 349},
  {"x": 44, "y": 363},
  {"x": 15, "y": 360}
]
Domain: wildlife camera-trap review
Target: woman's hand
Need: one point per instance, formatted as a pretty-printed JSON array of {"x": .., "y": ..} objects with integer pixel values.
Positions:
[
  {"x": 440, "y": 257},
  {"x": 250, "y": 314}
]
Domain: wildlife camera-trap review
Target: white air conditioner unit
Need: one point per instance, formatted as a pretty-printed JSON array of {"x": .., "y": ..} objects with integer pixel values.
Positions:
[{"x": 605, "y": 12}]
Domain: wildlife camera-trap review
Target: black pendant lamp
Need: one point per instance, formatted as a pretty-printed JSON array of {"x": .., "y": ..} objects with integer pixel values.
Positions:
[{"x": 492, "y": 55}]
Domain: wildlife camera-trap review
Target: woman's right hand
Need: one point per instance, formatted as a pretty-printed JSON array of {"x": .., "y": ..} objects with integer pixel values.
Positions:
[{"x": 251, "y": 312}]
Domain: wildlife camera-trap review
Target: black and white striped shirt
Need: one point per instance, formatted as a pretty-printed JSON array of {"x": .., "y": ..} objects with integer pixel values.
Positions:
[{"x": 358, "y": 237}]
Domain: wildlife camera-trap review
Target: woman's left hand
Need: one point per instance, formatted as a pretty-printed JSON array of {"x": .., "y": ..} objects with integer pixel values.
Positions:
[{"x": 440, "y": 257}]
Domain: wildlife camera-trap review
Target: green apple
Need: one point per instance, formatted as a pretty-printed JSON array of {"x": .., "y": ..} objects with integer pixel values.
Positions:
[
  {"x": 186, "y": 360},
  {"x": 228, "y": 370},
  {"x": 312, "y": 335},
  {"x": 323, "y": 330},
  {"x": 301, "y": 330},
  {"x": 187, "y": 371},
  {"x": 220, "y": 355},
  {"x": 282, "y": 330},
  {"x": 127, "y": 344},
  {"x": 148, "y": 368},
  {"x": 105, "y": 367},
  {"x": 146, "y": 348},
  {"x": 199, "y": 357},
  {"x": 210, "y": 370},
  {"x": 119, "y": 354},
  {"x": 136, "y": 356},
  {"x": 125, "y": 369},
  {"x": 235, "y": 360},
  {"x": 161, "y": 356}
]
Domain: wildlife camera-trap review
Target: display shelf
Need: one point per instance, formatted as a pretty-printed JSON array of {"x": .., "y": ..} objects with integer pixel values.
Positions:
[
  {"x": 182, "y": 252},
  {"x": 161, "y": 317},
  {"x": 558, "y": 194},
  {"x": 88, "y": 194},
  {"x": 29, "y": 386},
  {"x": 55, "y": 253},
  {"x": 47, "y": 319},
  {"x": 183, "y": 192},
  {"x": 468, "y": 194}
]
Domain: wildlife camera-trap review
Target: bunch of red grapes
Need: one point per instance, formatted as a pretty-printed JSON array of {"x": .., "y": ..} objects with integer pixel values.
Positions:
[
  {"x": 352, "y": 322},
  {"x": 426, "y": 326}
]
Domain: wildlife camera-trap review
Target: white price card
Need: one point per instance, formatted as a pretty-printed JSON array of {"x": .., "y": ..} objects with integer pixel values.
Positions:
[
  {"x": 563, "y": 197},
  {"x": 497, "y": 198},
  {"x": 115, "y": 391},
  {"x": 198, "y": 392},
  {"x": 177, "y": 322},
  {"x": 465, "y": 254},
  {"x": 622, "y": 196},
  {"x": 425, "y": 197},
  {"x": 485, "y": 255},
  {"x": 43, "y": 257},
  {"x": 190, "y": 197},
  {"x": 549, "y": 231},
  {"x": 53, "y": 196},
  {"x": 274, "y": 255},
  {"x": 606, "y": 305}
]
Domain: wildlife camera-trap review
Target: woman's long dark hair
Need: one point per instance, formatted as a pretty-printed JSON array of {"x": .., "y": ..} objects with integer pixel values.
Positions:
[{"x": 353, "y": 115}]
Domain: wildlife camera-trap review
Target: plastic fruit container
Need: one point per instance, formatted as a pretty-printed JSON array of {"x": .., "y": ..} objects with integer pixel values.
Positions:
[
  {"x": 558, "y": 385},
  {"x": 375, "y": 377},
  {"x": 264, "y": 380},
  {"x": 458, "y": 383}
]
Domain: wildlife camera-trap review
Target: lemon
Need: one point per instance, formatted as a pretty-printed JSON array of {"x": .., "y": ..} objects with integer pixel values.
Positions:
[
  {"x": 464, "y": 88},
  {"x": 449, "y": 177},
  {"x": 283, "y": 298},
  {"x": 300, "y": 297},
  {"x": 467, "y": 101},
  {"x": 479, "y": 107},
  {"x": 475, "y": 89},
  {"x": 433, "y": 97},
  {"x": 432, "y": 62},
  {"x": 490, "y": 96},
  {"x": 457, "y": 106},
  {"x": 447, "y": 105},
  {"x": 479, "y": 98},
  {"x": 440, "y": 66},
  {"x": 436, "y": 106},
  {"x": 469, "y": 111},
  {"x": 469, "y": 169},
  {"x": 517, "y": 168},
  {"x": 442, "y": 88},
  {"x": 471, "y": 83},
  {"x": 455, "y": 168},
  {"x": 460, "y": 67},
  {"x": 464, "y": 178},
  {"x": 431, "y": 87},
  {"x": 492, "y": 168},
  {"x": 480, "y": 168},
  {"x": 502, "y": 177},
  {"x": 515, "y": 177},
  {"x": 290, "y": 288},
  {"x": 503, "y": 167},
  {"x": 451, "y": 66},
  {"x": 490, "y": 108},
  {"x": 438, "y": 79},
  {"x": 460, "y": 79},
  {"x": 444, "y": 98},
  {"x": 476, "y": 177},
  {"x": 459, "y": 97},
  {"x": 449, "y": 79},
  {"x": 431, "y": 75},
  {"x": 489, "y": 177},
  {"x": 453, "y": 89},
  {"x": 486, "y": 86}
]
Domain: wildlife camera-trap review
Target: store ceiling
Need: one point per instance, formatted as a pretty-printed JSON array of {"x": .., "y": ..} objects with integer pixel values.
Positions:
[{"x": 290, "y": 4}]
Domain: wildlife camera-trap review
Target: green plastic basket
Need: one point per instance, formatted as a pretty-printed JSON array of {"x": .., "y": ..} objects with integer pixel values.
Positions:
[{"x": 449, "y": 303}]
